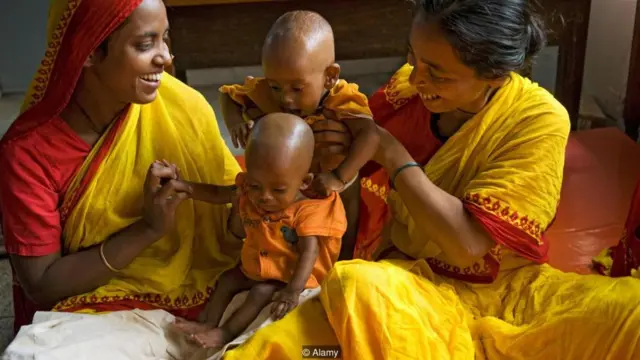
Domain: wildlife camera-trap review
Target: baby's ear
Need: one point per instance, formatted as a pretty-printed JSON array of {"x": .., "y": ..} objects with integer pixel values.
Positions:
[
  {"x": 306, "y": 182},
  {"x": 332, "y": 75}
]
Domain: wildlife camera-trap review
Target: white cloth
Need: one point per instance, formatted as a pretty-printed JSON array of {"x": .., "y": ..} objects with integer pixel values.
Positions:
[{"x": 122, "y": 335}]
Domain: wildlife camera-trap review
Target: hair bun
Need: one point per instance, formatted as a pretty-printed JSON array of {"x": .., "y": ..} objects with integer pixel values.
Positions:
[{"x": 536, "y": 34}]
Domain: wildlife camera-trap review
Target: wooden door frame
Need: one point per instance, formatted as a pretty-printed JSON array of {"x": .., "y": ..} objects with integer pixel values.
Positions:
[{"x": 632, "y": 99}]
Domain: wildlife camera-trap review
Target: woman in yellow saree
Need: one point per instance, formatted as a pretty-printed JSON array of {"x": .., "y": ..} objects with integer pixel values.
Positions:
[
  {"x": 464, "y": 275},
  {"x": 89, "y": 225}
]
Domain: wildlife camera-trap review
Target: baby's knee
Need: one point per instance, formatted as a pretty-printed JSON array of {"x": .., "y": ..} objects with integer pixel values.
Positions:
[
  {"x": 264, "y": 290},
  {"x": 230, "y": 279}
]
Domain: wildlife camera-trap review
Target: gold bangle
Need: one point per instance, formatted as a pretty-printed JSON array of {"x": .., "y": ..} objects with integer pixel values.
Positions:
[{"x": 104, "y": 259}]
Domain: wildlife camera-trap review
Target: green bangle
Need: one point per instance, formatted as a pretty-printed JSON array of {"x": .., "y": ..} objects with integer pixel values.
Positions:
[{"x": 392, "y": 179}]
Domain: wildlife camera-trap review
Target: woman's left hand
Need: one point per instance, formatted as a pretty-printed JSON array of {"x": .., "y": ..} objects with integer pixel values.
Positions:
[{"x": 332, "y": 137}]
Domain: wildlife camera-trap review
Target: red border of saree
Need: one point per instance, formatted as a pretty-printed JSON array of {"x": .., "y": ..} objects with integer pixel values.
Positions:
[{"x": 78, "y": 28}]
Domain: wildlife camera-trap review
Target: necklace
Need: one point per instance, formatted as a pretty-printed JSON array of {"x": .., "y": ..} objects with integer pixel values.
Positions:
[{"x": 93, "y": 126}]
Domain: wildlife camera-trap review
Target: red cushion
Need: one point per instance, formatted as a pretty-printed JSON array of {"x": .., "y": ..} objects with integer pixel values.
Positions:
[{"x": 601, "y": 170}]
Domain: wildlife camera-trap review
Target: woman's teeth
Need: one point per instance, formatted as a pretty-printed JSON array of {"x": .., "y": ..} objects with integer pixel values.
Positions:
[
  {"x": 152, "y": 77},
  {"x": 429, "y": 96}
]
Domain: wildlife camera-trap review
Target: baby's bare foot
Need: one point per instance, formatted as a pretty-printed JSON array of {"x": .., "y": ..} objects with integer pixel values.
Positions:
[
  {"x": 213, "y": 338},
  {"x": 190, "y": 327}
]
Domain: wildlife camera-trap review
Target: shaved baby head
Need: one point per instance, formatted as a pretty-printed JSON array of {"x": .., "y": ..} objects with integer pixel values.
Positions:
[
  {"x": 301, "y": 33},
  {"x": 282, "y": 142},
  {"x": 298, "y": 61}
]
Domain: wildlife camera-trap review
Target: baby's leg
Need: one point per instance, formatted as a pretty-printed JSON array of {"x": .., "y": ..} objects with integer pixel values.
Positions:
[
  {"x": 229, "y": 284},
  {"x": 259, "y": 297}
]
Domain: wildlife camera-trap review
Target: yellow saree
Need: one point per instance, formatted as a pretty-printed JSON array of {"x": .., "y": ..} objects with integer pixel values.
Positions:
[
  {"x": 178, "y": 271},
  {"x": 506, "y": 165}
]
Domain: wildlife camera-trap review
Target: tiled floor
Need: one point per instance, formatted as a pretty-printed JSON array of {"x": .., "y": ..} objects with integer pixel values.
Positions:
[{"x": 9, "y": 108}]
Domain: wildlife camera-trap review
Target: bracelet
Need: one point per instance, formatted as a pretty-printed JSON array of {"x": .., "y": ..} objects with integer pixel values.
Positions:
[
  {"x": 392, "y": 179},
  {"x": 234, "y": 234},
  {"x": 104, "y": 259}
]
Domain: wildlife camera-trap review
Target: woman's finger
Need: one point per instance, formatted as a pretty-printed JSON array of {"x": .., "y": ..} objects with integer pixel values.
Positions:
[
  {"x": 177, "y": 198},
  {"x": 329, "y": 150},
  {"x": 332, "y": 137},
  {"x": 156, "y": 173},
  {"x": 329, "y": 125}
]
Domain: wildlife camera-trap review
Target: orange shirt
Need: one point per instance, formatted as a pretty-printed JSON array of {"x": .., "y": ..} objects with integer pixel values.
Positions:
[
  {"x": 269, "y": 251},
  {"x": 344, "y": 101}
]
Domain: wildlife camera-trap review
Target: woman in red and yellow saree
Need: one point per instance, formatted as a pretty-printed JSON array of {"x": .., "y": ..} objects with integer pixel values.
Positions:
[
  {"x": 468, "y": 279},
  {"x": 89, "y": 227}
]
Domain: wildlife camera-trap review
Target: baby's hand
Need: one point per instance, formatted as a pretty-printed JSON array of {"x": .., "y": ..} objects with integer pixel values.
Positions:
[
  {"x": 326, "y": 183},
  {"x": 285, "y": 300},
  {"x": 240, "y": 134},
  {"x": 174, "y": 170}
]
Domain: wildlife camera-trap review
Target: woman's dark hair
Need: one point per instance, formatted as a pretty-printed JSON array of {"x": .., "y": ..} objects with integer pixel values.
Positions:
[{"x": 494, "y": 37}]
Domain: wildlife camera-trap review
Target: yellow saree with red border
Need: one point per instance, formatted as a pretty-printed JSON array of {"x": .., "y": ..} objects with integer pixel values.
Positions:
[
  {"x": 177, "y": 272},
  {"x": 105, "y": 196},
  {"x": 505, "y": 164}
]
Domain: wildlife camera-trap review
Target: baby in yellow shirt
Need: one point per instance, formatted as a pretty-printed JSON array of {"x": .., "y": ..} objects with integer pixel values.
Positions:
[{"x": 302, "y": 78}]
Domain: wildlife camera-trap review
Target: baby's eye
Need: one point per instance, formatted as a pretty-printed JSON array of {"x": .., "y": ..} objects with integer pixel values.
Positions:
[
  {"x": 275, "y": 88},
  {"x": 279, "y": 191},
  {"x": 298, "y": 89}
]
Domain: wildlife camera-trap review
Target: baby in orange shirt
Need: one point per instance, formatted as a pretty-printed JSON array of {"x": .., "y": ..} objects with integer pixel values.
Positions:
[
  {"x": 291, "y": 241},
  {"x": 302, "y": 78}
]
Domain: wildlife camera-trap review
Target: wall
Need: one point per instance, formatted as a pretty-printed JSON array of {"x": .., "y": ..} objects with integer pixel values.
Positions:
[
  {"x": 22, "y": 41},
  {"x": 608, "y": 53},
  {"x": 23, "y": 27}
]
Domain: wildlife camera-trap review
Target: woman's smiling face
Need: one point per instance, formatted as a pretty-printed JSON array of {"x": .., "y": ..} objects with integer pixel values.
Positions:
[
  {"x": 130, "y": 66},
  {"x": 444, "y": 82}
]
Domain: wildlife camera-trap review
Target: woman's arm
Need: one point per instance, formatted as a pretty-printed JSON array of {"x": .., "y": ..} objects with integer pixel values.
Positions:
[
  {"x": 365, "y": 143},
  {"x": 439, "y": 214},
  {"x": 51, "y": 278}
]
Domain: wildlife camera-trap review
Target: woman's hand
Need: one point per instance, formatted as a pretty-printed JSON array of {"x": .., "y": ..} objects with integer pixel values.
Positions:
[
  {"x": 332, "y": 136},
  {"x": 163, "y": 192}
]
